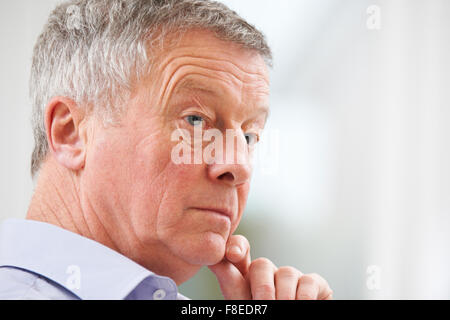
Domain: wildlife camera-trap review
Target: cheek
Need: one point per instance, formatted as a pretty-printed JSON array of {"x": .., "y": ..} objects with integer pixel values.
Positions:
[
  {"x": 178, "y": 190},
  {"x": 159, "y": 190},
  {"x": 126, "y": 177},
  {"x": 149, "y": 177},
  {"x": 104, "y": 182}
]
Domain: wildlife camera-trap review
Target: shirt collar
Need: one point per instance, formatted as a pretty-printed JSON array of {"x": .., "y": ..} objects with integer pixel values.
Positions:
[{"x": 86, "y": 268}]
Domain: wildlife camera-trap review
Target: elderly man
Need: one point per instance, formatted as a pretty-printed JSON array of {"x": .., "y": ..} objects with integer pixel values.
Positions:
[{"x": 114, "y": 214}]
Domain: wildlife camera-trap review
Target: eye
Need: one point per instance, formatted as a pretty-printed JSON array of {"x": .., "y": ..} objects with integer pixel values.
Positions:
[
  {"x": 251, "y": 138},
  {"x": 195, "y": 120}
]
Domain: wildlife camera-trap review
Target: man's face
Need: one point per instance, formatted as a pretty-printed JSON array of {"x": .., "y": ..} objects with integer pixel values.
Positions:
[{"x": 146, "y": 201}]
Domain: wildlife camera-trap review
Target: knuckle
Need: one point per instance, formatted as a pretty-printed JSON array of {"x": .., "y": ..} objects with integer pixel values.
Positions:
[
  {"x": 308, "y": 279},
  {"x": 288, "y": 272},
  {"x": 317, "y": 276},
  {"x": 264, "y": 291},
  {"x": 313, "y": 286},
  {"x": 242, "y": 239},
  {"x": 260, "y": 262}
]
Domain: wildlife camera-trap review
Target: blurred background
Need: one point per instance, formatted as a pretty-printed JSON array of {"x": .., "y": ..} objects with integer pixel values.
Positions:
[{"x": 352, "y": 180}]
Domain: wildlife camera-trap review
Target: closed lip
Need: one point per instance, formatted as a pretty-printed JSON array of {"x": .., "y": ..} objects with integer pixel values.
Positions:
[{"x": 221, "y": 211}]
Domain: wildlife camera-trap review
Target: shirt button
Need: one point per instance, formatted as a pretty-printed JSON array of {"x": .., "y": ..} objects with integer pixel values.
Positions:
[{"x": 159, "y": 294}]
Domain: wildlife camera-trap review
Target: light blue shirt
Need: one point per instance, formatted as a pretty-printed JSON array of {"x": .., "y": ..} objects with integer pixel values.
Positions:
[{"x": 42, "y": 261}]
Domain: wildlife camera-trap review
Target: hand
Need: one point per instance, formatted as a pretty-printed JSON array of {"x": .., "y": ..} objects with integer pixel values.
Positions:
[{"x": 243, "y": 279}]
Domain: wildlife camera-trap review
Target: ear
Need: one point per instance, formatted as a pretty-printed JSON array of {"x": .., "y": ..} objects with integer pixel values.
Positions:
[{"x": 65, "y": 135}]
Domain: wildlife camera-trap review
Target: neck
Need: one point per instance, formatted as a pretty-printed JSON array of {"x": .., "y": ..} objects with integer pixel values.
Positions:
[{"x": 56, "y": 200}]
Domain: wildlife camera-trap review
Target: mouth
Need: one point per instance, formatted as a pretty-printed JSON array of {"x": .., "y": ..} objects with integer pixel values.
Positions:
[{"x": 222, "y": 211}]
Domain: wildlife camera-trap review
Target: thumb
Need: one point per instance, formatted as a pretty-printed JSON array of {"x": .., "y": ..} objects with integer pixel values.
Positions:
[{"x": 232, "y": 284}]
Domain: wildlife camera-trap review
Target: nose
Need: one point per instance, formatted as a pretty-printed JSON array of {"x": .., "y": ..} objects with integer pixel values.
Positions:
[
  {"x": 235, "y": 168},
  {"x": 233, "y": 175}
]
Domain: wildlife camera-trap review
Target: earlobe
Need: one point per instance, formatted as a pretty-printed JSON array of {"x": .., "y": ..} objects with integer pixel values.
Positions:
[{"x": 63, "y": 118}]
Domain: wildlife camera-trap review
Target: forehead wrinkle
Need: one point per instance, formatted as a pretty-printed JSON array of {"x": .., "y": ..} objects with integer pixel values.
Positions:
[
  {"x": 237, "y": 72},
  {"x": 168, "y": 67},
  {"x": 257, "y": 89},
  {"x": 190, "y": 84},
  {"x": 171, "y": 82}
]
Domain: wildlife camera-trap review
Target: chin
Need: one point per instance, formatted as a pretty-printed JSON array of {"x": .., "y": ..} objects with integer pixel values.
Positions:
[{"x": 204, "y": 249}]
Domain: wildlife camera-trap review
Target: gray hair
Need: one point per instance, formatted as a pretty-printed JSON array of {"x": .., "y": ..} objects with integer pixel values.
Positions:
[{"x": 93, "y": 50}]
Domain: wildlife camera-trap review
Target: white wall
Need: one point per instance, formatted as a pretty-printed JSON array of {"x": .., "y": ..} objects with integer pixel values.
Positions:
[
  {"x": 20, "y": 24},
  {"x": 363, "y": 176}
]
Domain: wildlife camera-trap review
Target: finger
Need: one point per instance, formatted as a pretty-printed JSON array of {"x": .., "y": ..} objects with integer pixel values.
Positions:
[
  {"x": 261, "y": 276},
  {"x": 313, "y": 287},
  {"x": 232, "y": 283},
  {"x": 286, "y": 283},
  {"x": 238, "y": 252}
]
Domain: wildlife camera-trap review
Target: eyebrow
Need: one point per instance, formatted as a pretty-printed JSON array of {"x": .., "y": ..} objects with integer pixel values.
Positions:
[{"x": 189, "y": 84}]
